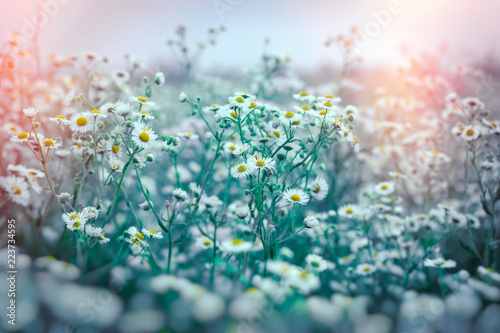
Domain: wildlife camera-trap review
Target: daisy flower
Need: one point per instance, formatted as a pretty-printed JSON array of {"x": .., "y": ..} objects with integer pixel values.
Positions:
[
  {"x": 188, "y": 135},
  {"x": 135, "y": 236},
  {"x": 261, "y": 163},
  {"x": 348, "y": 211},
  {"x": 97, "y": 114},
  {"x": 76, "y": 224},
  {"x": 116, "y": 164},
  {"x": 151, "y": 233},
  {"x": 304, "y": 96},
  {"x": 470, "y": 133},
  {"x": 90, "y": 212},
  {"x": 20, "y": 137},
  {"x": 316, "y": 263},
  {"x": 290, "y": 117},
  {"x": 95, "y": 232},
  {"x": 365, "y": 269},
  {"x": 60, "y": 120},
  {"x": 144, "y": 115},
  {"x": 113, "y": 150},
  {"x": 440, "y": 263},
  {"x": 81, "y": 122},
  {"x": 141, "y": 99},
  {"x": 240, "y": 149},
  {"x": 51, "y": 144},
  {"x": 311, "y": 222},
  {"x": 242, "y": 170},
  {"x": 72, "y": 216},
  {"x": 30, "y": 112},
  {"x": 17, "y": 189},
  {"x": 143, "y": 136},
  {"x": 384, "y": 188},
  {"x": 319, "y": 188},
  {"x": 180, "y": 195},
  {"x": 203, "y": 242},
  {"x": 296, "y": 196},
  {"x": 236, "y": 245}
]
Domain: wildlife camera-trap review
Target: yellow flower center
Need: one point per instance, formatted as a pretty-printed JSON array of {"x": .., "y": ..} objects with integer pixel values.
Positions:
[
  {"x": 79, "y": 145},
  {"x": 16, "y": 189},
  {"x": 252, "y": 290},
  {"x": 277, "y": 134},
  {"x": 327, "y": 104},
  {"x": 206, "y": 242},
  {"x": 470, "y": 132},
  {"x": 152, "y": 231},
  {"x": 289, "y": 115},
  {"x": 188, "y": 134},
  {"x": 349, "y": 210},
  {"x": 234, "y": 114},
  {"x": 304, "y": 93},
  {"x": 253, "y": 105},
  {"x": 366, "y": 269},
  {"x": 144, "y": 112},
  {"x": 494, "y": 124},
  {"x": 329, "y": 96},
  {"x": 242, "y": 168},
  {"x": 214, "y": 106},
  {"x": 137, "y": 243},
  {"x": 48, "y": 143},
  {"x": 82, "y": 121},
  {"x": 384, "y": 187},
  {"x": 304, "y": 275},
  {"x": 74, "y": 216},
  {"x": 144, "y": 137},
  {"x": 296, "y": 122},
  {"x": 239, "y": 99},
  {"x": 295, "y": 197},
  {"x": 305, "y": 108},
  {"x": 260, "y": 163},
  {"x": 22, "y": 135},
  {"x": 61, "y": 117},
  {"x": 95, "y": 111},
  {"x": 115, "y": 149},
  {"x": 232, "y": 147},
  {"x": 142, "y": 99},
  {"x": 77, "y": 224},
  {"x": 139, "y": 235},
  {"x": 316, "y": 188},
  {"x": 237, "y": 241},
  {"x": 355, "y": 139}
]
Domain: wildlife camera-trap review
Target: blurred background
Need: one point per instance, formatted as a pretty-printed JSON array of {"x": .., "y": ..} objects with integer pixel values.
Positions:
[{"x": 298, "y": 29}]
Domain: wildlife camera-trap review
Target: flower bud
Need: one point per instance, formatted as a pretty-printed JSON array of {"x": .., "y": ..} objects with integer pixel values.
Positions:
[{"x": 311, "y": 222}]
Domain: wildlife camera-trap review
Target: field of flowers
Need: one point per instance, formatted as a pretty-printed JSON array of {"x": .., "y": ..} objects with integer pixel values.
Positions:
[{"x": 150, "y": 201}]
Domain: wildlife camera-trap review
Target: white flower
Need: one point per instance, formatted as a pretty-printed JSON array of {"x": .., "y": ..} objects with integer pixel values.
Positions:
[
  {"x": 316, "y": 263},
  {"x": 311, "y": 222},
  {"x": 242, "y": 170},
  {"x": 60, "y": 120},
  {"x": 384, "y": 188},
  {"x": 95, "y": 232},
  {"x": 20, "y": 137},
  {"x": 240, "y": 149},
  {"x": 30, "y": 112},
  {"x": 152, "y": 233},
  {"x": 296, "y": 196},
  {"x": 159, "y": 79},
  {"x": 90, "y": 212},
  {"x": 365, "y": 269},
  {"x": 260, "y": 162},
  {"x": 180, "y": 195},
  {"x": 203, "y": 242},
  {"x": 319, "y": 188},
  {"x": 236, "y": 245},
  {"x": 348, "y": 211},
  {"x": 182, "y": 97},
  {"x": 17, "y": 189},
  {"x": 134, "y": 236},
  {"x": 143, "y": 136},
  {"x": 470, "y": 133},
  {"x": 82, "y": 122},
  {"x": 304, "y": 96},
  {"x": 70, "y": 97},
  {"x": 440, "y": 262},
  {"x": 141, "y": 99},
  {"x": 242, "y": 212}
]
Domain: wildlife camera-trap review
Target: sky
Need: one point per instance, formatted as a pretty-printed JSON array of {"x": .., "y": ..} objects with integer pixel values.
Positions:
[{"x": 296, "y": 28}]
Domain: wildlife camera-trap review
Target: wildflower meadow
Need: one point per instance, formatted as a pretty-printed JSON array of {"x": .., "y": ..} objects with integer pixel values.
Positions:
[{"x": 170, "y": 197}]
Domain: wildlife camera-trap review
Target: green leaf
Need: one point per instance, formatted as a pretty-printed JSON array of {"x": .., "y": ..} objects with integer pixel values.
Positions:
[{"x": 467, "y": 248}]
